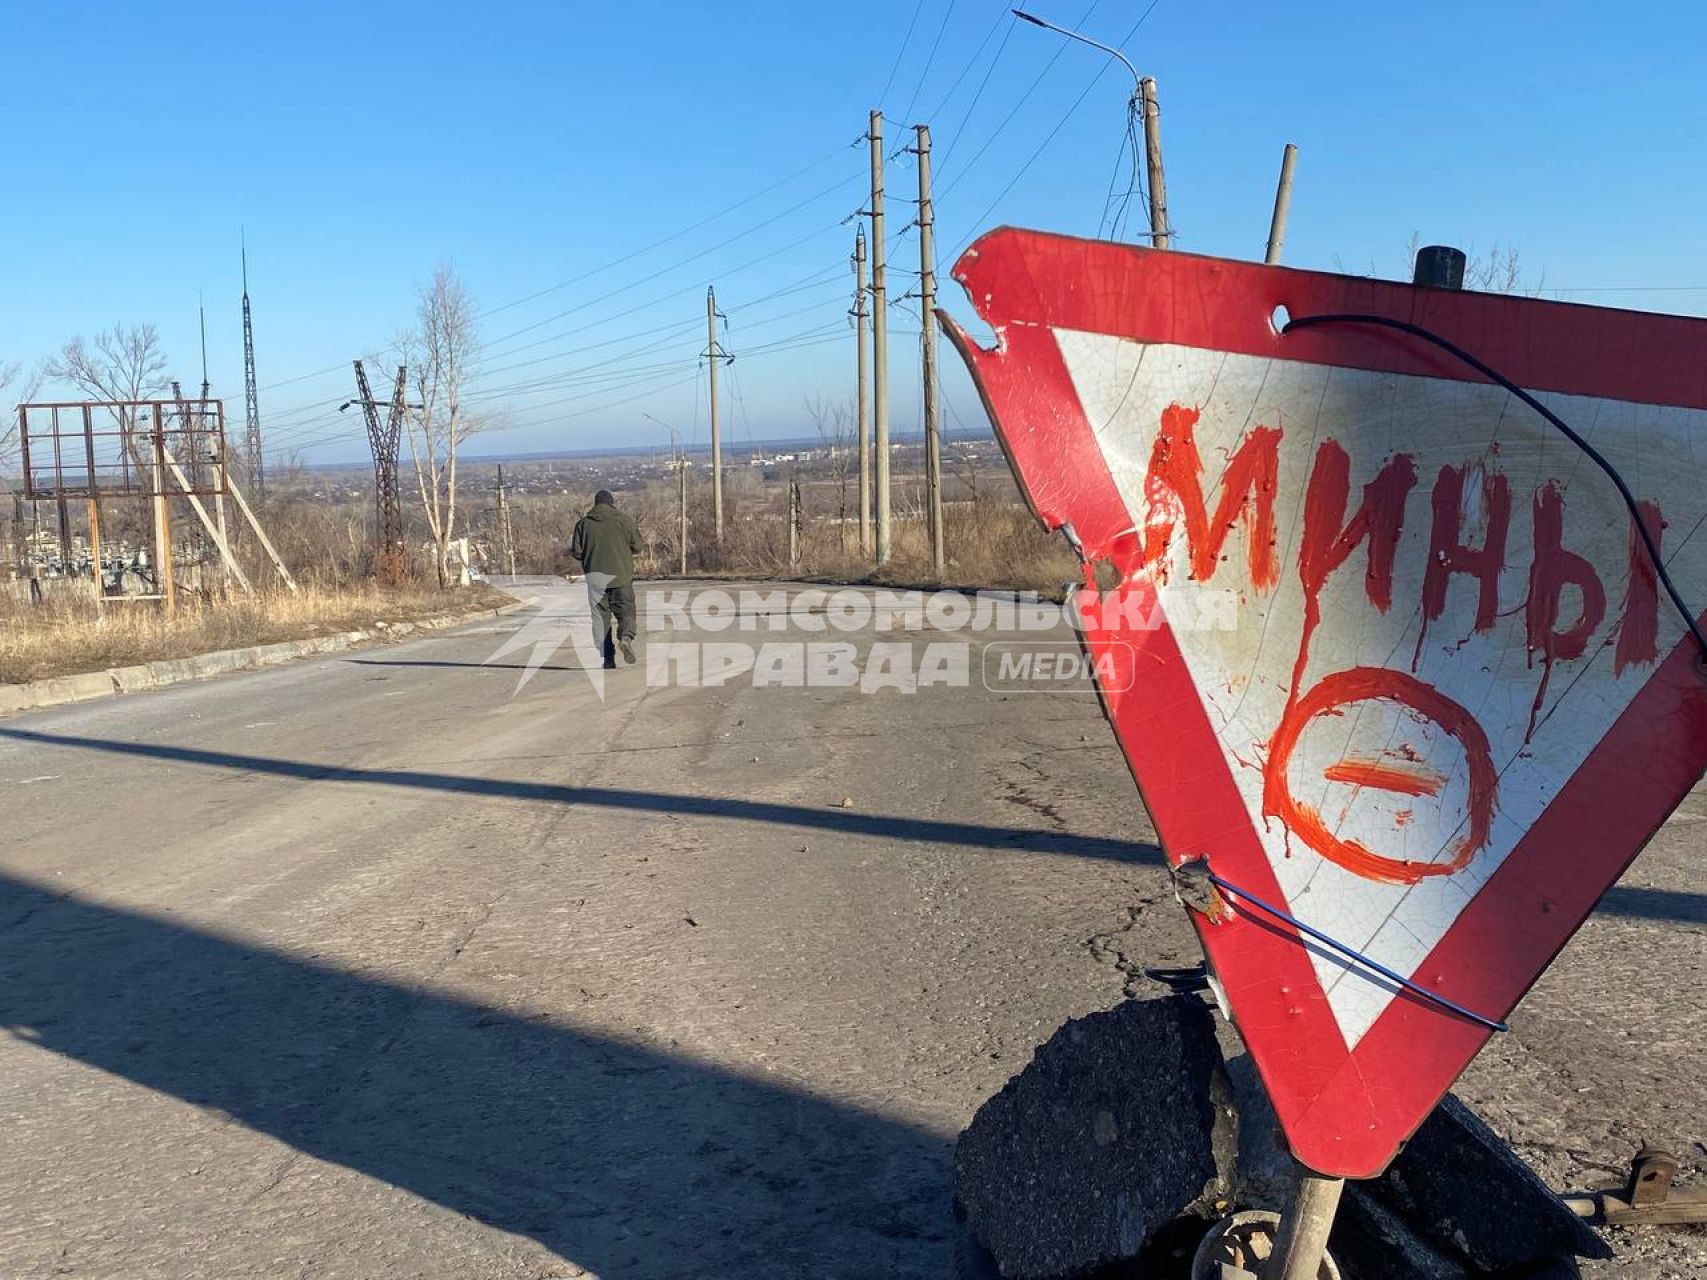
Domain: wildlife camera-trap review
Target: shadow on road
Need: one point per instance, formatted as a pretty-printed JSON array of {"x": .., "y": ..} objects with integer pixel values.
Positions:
[
  {"x": 846, "y": 821},
  {"x": 1637, "y": 903},
  {"x": 630, "y": 1161},
  {"x": 1629, "y": 901},
  {"x": 471, "y": 666}
]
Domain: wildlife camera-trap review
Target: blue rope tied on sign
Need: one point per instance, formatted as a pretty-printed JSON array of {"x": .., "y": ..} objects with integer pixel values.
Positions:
[{"x": 1352, "y": 953}]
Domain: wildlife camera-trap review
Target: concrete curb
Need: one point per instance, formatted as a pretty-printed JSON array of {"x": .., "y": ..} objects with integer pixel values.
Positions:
[{"x": 158, "y": 675}]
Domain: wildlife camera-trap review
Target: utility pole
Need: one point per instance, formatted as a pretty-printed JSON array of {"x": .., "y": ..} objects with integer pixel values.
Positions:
[
  {"x": 1282, "y": 206},
  {"x": 164, "y": 573},
  {"x": 863, "y": 409},
  {"x": 927, "y": 348},
  {"x": 795, "y": 521},
  {"x": 389, "y": 555},
  {"x": 251, "y": 400},
  {"x": 714, "y": 353},
  {"x": 17, "y": 536},
  {"x": 20, "y": 551},
  {"x": 682, "y": 509},
  {"x": 64, "y": 505},
  {"x": 197, "y": 444},
  {"x": 506, "y": 534},
  {"x": 35, "y": 564},
  {"x": 1160, "y": 236},
  {"x": 879, "y": 339}
]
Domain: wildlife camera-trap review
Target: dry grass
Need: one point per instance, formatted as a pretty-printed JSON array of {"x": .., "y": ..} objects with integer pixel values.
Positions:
[
  {"x": 67, "y": 635},
  {"x": 990, "y": 537},
  {"x": 997, "y": 545}
]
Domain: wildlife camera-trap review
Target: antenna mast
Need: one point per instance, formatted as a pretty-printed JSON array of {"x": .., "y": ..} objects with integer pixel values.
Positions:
[
  {"x": 251, "y": 402},
  {"x": 201, "y": 312}
]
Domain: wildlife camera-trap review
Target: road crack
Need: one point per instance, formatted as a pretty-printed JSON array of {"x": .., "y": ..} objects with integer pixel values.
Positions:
[{"x": 1113, "y": 947}]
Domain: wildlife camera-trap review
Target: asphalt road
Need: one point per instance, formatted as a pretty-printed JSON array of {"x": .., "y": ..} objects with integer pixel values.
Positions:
[{"x": 377, "y": 965}]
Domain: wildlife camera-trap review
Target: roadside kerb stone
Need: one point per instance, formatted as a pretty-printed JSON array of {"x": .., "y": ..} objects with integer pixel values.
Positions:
[{"x": 137, "y": 678}]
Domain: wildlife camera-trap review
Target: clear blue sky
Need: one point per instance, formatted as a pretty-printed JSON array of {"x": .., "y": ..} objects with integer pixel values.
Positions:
[{"x": 534, "y": 144}]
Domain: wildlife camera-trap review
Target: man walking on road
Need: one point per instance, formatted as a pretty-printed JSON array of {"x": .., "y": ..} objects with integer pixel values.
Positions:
[{"x": 606, "y": 541}]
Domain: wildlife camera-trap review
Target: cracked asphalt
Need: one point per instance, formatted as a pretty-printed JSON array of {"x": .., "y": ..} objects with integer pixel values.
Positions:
[{"x": 377, "y": 965}]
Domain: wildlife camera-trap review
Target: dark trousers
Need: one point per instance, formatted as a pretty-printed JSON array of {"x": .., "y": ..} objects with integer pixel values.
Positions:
[{"x": 616, "y": 619}]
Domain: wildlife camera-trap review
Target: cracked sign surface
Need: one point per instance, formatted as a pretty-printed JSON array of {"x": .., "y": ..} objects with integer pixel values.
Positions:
[{"x": 1403, "y": 666}]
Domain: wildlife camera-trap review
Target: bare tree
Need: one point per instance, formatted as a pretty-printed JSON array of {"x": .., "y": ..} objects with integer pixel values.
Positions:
[
  {"x": 438, "y": 352},
  {"x": 123, "y": 363},
  {"x": 16, "y": 386}
]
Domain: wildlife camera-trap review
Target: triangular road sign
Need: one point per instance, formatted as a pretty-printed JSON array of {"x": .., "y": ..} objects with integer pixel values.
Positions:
[{"x": 1403, "y": 669}]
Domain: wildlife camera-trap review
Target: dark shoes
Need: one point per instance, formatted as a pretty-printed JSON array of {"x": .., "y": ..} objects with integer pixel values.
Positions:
[{"x": 627, "y": 647}]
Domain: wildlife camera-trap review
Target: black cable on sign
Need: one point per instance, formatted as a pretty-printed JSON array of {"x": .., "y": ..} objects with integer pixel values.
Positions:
[{"x": 1495, "y": 376}]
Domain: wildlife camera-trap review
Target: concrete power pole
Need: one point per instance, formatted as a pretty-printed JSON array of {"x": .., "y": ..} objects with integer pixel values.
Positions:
[
  {"x": 1282, "y": 205},
  {"x": 927, "y": 348},
  {"x": 879, "y": 340},
  {"x": 506, "y": 532},
  {"x": 713, "y": 355},
  {"x": 682, "y": 509},
  {"x": 796, "y": 521},
  {"x": 863, "y": 409},
  {"x": 20, "y": 553},
  {"x": 1160, "y": 237}
]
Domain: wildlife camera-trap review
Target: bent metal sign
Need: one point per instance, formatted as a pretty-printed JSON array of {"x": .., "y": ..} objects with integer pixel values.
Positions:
[{"x": 1456, "y": 702}]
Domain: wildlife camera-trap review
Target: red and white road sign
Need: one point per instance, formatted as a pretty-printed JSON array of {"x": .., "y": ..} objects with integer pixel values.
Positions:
[{"x": 1403, "y": 668}]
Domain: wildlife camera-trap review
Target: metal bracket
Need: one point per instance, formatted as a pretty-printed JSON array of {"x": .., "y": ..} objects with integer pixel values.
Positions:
[
  {"x": 1195, "y": 887},
  {"x": 1648, "y": 1200},
  {"x": 1181, "y": 981}
]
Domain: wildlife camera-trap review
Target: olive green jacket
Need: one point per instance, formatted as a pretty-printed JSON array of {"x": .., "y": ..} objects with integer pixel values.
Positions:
[{"x": 606, "y": 541}]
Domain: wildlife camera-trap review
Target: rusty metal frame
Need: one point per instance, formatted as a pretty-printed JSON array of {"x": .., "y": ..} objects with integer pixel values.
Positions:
[
  {"x": 1649, "y": 1198},
  {"x": 66, "y": 453}
]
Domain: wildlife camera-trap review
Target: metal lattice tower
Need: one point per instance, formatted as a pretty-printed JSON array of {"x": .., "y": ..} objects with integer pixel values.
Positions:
[
  {"x": 251, "y": 401},
  {"x": 388, "y": 503}
]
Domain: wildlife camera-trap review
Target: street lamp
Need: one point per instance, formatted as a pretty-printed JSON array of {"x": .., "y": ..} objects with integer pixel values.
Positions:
[
  {"x": 1137, "y": 81},
  {"x": 673, "y": 432},
  {"x": 1143, "y": 100}
]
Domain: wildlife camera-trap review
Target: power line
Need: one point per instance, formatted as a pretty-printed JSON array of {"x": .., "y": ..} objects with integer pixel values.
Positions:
[
  {"x": 480, "y": 371},
  {"x": 1002, "y": 20},
  {"x": 1135, "y": 180},
  {"x": 316, "y": 411},
  {"x": 793, "y": 287},
  {"x": 948, "y": 151},
  {"x": 675, "y": 266},
  {"x": 900, "y": 53},
  {"x": 674, "y": 235},
  {"x": 653, "y": 380},
  {"x": 929, "y": 60},
  {"x": 839, "y": 151},
  {"x": 652, "y": 386},
  {"x": 585, "y": 371}
]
